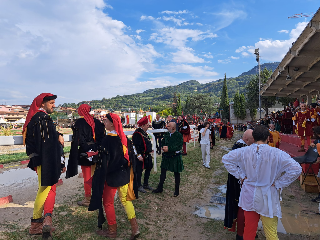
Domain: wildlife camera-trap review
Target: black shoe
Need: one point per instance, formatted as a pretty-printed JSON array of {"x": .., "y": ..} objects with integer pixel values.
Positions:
[
  {"x": 239, "y": 237},
  {"x": 184, "y": 154},
  {"x": 176, "y": 194},
  {"x": 148, "y": 187},
  {"x": 158, "y": 190},
  {"x": 317, "y": 199},
  {"x": 141, "y": 189}
]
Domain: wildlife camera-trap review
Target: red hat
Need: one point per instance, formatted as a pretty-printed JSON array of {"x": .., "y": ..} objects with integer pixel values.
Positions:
[
  {"x": 143, "y": 121},
  {"x": 34, "y": 108},
  {"x": 84, "y": 111}
]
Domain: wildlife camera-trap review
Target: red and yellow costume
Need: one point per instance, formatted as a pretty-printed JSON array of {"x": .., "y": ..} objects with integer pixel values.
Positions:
[
  {"x": 274, "y": 139},
  {"x": 45, "y": 152},
  {"x": 303, "y": 121},
  {"x": 229, "y": 131}
]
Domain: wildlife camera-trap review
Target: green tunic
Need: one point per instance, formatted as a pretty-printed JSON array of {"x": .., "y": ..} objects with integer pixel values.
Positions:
[{"x": 172, "y": 160}]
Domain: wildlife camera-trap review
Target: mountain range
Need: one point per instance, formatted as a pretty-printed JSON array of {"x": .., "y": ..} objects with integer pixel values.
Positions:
[{"x": 160, "y": 97}]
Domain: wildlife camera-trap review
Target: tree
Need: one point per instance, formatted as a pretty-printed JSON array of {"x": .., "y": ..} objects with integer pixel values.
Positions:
[
  {"x": 239, "y": 106},
  {"x": 252, "y": 92},
  {"x": 174, "y": 104},
  {"x": 199, "y": 104},
  {"x": 179, "y": 107},
  {"x": 224, "y": 103},
  {"x": 285, "y": 101},
  {"x": 243, "y": 110},
  {"x": 236, "y": 105}
]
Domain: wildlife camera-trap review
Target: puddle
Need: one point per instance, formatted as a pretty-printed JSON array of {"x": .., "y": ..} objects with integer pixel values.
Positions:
[
  {"x": 300, "y": 221},
  {"x": 223, "y": 189},
  {"x": 16, "y": 178},
  {"x": 215, "y": 211}
]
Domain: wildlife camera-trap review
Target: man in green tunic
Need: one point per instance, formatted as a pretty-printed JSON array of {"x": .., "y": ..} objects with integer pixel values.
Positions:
[{"x": 171, "y": 157}]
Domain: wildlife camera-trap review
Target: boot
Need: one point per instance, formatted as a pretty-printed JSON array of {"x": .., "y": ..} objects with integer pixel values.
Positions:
[
  {"x": 85, "y": 202},
  {"x": 47, "y": 227},
  {"x": 134, "y": 229},
  {"x": 239, "y": 237},
  {"x": 176, "y": 191},
  {"x": 302, "y": 149},
  {"x": 111, "y": 232},
  {"x": 36, "y": 226},
  {"x": 159, "y": 189}
]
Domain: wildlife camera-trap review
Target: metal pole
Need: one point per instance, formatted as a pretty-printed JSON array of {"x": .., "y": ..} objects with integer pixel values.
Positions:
[{"x": 259, "y": 86}]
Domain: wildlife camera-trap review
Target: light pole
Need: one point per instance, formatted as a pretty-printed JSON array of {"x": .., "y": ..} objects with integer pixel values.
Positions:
[{"x": 256, "y": 52}]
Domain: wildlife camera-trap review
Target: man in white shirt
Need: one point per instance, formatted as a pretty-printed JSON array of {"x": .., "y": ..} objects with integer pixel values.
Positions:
[
  {"x": 205, "y": 144},
  {"x": 264, "y": 171}
]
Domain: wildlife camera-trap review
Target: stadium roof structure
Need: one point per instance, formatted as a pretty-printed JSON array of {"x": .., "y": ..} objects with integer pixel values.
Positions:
[{"x": 298, "y": 74}]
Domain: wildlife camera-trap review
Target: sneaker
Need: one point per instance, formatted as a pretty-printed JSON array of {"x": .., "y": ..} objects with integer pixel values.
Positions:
[
  {"x": 207, "y": 166},
  {"x": 148, "y": 187},
  {"x": 141, "y": 189},
  {"x": 317, "y": 199}
]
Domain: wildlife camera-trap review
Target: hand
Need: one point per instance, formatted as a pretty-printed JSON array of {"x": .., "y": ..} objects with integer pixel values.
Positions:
[
  {"x": 140, "y": 158},
  {"x": 165, "y": 148},
  {"x": 242, "y": 180},
  {"x": 312, "y": 144},
  {"x": 61, "y": 140},
  {"x": 64, "y": 170}
]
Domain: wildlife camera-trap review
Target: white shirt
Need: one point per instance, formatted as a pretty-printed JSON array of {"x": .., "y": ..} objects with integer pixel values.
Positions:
[
  {"x": 205, "y": 139},
  {"x": 263, "y": 166}
]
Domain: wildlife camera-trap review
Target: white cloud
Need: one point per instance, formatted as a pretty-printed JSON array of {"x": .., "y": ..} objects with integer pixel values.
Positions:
[
  {"x": 245, "y": 54},
  {"x": 178, "y": 37},
  {"x": 232, "y": 57},
  {"x": 200, "y": 71},
  {"x": 70, "y": 48},
  {"x": 208, "y": 55},
  {"x": 175, "y": 20},
  {"x": 275, "y": 50},
  {"x": 227, "y": 17},
  {"x": 240, "y": 49},
  {"x": 225, "y": 61},
  {"x": 175, "y": 12},
  {"x": 139, "y": 31},
  {"x": 185, "y": 55},
  {"x": 143, "y": 17}
]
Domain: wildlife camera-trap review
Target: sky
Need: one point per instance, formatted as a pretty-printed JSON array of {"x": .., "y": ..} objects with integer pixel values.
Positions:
[{"x": 83, "y": 50}]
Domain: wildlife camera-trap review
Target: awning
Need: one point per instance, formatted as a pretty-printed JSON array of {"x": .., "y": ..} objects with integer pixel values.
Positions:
[{"x": 298, "y": 74}]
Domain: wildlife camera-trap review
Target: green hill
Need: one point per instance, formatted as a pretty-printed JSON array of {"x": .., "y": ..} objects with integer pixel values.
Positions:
[{"x": 152, "y": 98}]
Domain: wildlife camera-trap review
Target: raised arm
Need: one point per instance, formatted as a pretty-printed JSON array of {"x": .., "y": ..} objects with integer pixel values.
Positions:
[{"x": 232, "y": 162}]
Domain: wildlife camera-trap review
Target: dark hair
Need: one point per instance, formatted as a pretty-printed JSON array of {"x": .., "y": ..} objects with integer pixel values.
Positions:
[
  {"x": 205, "y": 124},
  {"x": 260, "y": 133},
  {"x": 49, "y": 98},
  {"x": 109, "y": 117}
]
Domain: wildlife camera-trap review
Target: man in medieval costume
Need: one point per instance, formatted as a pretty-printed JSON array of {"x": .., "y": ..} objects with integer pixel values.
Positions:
[
  {"x": 274, "y": 138},
  {"x": 171, "y": 157},
  {"x": 88, "y": 133},
  {"x": 143, "y": 148},
  {"x": 184, "y": 129},
  {"x": 303, "y": 121},
  {"x": 234, "y": 215},
  {"x": 44, "y": 146},
  {"x": 113, "y": 173}
]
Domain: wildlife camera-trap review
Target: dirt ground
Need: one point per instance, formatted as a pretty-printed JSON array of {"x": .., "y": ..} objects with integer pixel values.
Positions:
[{"x": 160, "y": 216}]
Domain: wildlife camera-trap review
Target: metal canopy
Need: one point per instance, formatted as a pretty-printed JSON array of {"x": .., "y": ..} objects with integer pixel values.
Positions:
[{"x": 301, "y": 63}]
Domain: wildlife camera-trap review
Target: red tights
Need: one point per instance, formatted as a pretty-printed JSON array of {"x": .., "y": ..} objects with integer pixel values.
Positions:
[{"x": 86, "y": 171}]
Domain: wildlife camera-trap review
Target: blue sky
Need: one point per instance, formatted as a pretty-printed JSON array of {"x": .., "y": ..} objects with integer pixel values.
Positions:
[{"x": 90, "y": 49}]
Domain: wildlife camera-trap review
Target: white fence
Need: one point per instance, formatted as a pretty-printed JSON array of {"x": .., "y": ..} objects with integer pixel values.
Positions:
[{"x": 17, "y": 140}]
